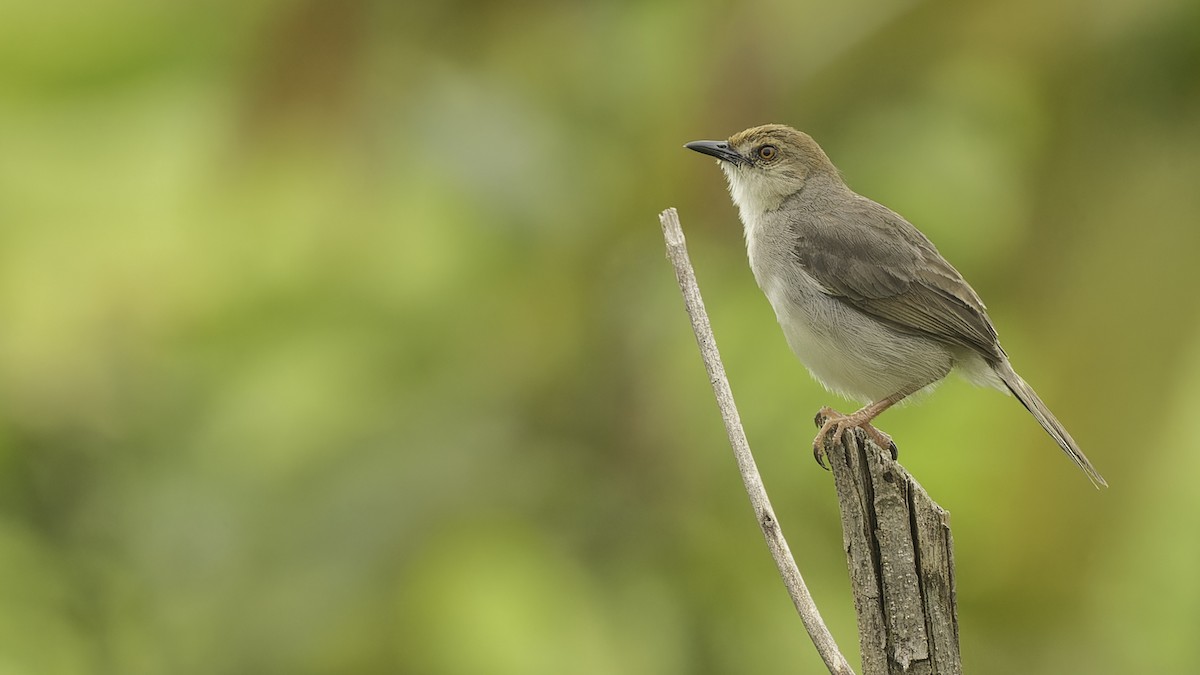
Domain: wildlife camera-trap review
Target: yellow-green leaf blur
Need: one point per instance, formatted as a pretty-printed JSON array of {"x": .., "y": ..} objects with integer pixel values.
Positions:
[{"x": 337, "y": 337}]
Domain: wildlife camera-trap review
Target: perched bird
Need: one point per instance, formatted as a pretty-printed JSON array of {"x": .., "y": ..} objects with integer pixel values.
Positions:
[{"x": 865, "y": 300}]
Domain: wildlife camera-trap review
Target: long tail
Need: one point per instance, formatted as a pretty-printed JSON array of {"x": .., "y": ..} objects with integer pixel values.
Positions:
[{"x": 1033, "y": 403}]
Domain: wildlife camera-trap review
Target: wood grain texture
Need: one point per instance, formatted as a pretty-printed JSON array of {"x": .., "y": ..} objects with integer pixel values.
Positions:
[{"x": 901, "y": 559}]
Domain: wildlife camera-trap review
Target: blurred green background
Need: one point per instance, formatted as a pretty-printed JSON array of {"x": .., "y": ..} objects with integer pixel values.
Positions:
[{"x": 337, "y": 337}]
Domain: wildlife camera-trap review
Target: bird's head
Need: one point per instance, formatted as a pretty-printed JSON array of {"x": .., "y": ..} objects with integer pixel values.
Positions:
[{"x": 765, "y": 165}]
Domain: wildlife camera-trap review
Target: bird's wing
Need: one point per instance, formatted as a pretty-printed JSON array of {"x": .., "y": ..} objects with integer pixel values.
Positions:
[{"x": 875, "y": 261}]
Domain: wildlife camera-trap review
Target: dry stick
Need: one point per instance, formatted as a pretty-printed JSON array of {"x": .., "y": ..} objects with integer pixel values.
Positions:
[
  {"x": 901, "y": 556},
  {"x": 821, "y": 637}
]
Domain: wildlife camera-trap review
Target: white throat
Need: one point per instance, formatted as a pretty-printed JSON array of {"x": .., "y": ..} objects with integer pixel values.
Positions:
[{"x": 754, "y": 194}]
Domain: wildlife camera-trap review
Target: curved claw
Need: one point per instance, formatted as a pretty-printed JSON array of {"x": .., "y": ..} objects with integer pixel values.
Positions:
[
  {"x": 881, "y": 439},
  {"x": 828, "y": 420},
  {"x": 819, "y": 455}
]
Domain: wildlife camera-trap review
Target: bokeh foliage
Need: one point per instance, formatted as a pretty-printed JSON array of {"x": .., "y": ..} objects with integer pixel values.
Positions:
[{"x": 336, "y": 337}]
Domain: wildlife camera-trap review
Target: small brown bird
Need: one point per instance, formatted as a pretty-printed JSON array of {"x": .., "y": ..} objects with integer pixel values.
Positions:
[{"x": 865, "y": 300}]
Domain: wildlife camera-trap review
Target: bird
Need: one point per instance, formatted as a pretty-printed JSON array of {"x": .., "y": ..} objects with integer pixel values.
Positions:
[{"x": 865, "y": 300}]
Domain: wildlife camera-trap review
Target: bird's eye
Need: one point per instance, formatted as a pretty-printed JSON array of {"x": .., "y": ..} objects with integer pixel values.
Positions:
[{"x": 767, "y": 152}]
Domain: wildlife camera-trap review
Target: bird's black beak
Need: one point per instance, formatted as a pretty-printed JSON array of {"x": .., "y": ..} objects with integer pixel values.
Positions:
[{"x": 718, "y": 149}]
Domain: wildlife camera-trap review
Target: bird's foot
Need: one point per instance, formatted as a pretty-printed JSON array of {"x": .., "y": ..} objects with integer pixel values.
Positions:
[{"x": 829, "y": 420}]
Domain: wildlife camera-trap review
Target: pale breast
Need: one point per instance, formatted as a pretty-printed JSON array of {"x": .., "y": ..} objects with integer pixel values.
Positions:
[{"x": 848, "y": 352}]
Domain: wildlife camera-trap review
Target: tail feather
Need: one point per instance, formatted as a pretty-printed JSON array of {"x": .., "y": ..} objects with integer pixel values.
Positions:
[{"x": 1033, "y": 403}]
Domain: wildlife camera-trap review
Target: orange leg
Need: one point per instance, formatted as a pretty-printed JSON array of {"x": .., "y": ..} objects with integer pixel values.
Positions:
[{"x": 829, "y": 420}]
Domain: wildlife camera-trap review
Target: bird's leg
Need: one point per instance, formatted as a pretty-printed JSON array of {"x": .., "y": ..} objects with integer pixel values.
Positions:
[{"x": 829, "y": 419}]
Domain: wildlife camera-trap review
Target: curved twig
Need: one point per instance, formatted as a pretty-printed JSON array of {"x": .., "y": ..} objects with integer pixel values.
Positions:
[{"x": 801, "y": 598}]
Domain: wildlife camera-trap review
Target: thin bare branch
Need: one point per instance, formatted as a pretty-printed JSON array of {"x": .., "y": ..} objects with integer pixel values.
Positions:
[{"x": 821, "y": 637}]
